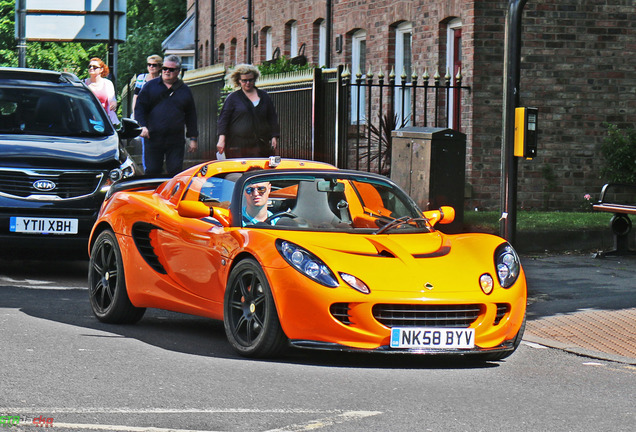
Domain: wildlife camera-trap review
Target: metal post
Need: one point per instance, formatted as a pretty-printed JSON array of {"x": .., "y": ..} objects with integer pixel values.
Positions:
[
  {"x": 329, "y": 30},
  {"x": 212, "y": 31},
  {"x": 21, "y": 32},
  {"x": 196, "y": 34},
  {"x": 112, "y": 63},
  {"x": 250, "y": 23},
  {"x": 512, "y": 67}
]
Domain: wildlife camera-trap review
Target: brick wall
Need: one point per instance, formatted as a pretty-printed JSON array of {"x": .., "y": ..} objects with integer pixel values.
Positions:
[{"x": 578, "y": 63}]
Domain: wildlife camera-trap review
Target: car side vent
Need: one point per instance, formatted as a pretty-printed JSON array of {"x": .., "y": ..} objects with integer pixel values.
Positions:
[
  {"x": 340, "y": 311},
  {"x": 502, "y": 310},
  {"x": 141, "y": 235}
]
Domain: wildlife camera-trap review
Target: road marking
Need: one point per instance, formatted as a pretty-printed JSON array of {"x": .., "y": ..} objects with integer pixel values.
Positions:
[
  {"x": 337, "y": 417},
  {"x": 534, "y": 345},
  {"x": 117, "y": 428},
  {"x": 36, "y": 284},
  {"x": 327, "y": 421}
]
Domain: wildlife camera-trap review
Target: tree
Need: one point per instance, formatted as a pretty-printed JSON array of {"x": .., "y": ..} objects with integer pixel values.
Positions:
[{"x": 149, "y": 22}]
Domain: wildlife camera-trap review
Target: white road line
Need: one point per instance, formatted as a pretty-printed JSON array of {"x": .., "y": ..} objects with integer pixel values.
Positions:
[
  {"x": 534, "y": 345},
  {"x": 337, "y": 417},
  {"x": 327, "y": 421},
  {"x": 36, "y": 284},
  {"x": 117, "y": 428}
]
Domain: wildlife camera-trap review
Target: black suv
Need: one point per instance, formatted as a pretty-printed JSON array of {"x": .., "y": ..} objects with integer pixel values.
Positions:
[{"x": 59, "y": 154}]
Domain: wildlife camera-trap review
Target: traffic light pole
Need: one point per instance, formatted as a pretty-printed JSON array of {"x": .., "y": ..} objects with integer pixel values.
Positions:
[{"x": 512, "y": 67}]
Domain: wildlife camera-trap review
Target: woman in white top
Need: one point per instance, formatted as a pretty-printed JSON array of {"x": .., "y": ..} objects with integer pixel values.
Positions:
[{"x": 102, "y": 87}]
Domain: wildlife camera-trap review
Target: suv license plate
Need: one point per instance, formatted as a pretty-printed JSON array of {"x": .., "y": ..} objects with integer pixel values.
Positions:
[
  {"x": 43, "y": 225},
  {"x": 432, "y": 338}
]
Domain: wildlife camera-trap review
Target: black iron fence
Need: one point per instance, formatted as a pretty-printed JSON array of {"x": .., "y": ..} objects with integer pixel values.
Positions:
[
  {"x": 328, "y": 115},
  {"x": 378, "y": 106}
]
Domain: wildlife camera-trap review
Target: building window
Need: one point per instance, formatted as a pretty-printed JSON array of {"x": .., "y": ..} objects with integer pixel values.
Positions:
[
  {"x": 187, "y": 63},
  {"x": 322, "y": 43},
  {"x": 291, "y": 38},
  {"x": 454, "y": 64},
  {"x": 233, "y": 51},
  {"x": 403, "y": 67},
  {"x": 269, "y": 44},
  {"x": 358, "y": 66},
  {"x": 221, "y": 55}
]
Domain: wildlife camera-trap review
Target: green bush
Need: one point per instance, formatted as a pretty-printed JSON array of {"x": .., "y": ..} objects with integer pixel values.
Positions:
[
  {"x": 619, "y": 153},
  {"x": 281, "y": 65}
]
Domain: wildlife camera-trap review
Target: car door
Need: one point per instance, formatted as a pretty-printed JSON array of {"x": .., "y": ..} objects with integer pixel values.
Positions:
[{"x": 195, "y": 250}]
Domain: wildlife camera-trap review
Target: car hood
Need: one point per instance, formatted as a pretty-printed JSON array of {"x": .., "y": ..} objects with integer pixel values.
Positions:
[
  {"x": 96, "y": 150},
  {"x": 405, "y": 262}
]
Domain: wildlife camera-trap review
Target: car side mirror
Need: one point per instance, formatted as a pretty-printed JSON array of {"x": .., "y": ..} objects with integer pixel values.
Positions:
[
  {"x": 193, "y": 209},
  {"x": 444, "y": 215},
  {"x": 128, "y": 129}
]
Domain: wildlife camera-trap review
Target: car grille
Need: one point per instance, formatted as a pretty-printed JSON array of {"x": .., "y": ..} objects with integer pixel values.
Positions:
[
  {"x": 405, "y": 315},
  {"x": 19, "y": 183}
]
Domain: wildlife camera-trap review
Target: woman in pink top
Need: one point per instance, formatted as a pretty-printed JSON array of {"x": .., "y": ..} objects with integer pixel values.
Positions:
[{"x": 102, "y": 87}]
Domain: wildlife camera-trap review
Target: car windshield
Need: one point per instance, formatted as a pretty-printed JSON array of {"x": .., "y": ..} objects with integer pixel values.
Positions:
[
  {"x": 51, "y": 111},
  {"x": 333, "y": 202}
]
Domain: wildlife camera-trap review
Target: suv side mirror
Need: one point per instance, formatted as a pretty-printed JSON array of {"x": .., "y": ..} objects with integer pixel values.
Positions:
[{"x": 128, "y": 129}]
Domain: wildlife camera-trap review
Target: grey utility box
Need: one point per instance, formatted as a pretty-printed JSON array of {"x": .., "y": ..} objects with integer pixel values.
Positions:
[{"x": 430, "y": 165}]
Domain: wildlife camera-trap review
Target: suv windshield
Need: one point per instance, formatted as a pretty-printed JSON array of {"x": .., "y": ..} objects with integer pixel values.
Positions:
[{"x": 52, "y": 111}]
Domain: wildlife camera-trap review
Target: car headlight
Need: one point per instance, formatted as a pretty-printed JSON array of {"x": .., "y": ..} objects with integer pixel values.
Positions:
[
  {"x": 125, "y": 170},
  {"x": 507, "y": 265},
  {"x": 307, "y": 263}
]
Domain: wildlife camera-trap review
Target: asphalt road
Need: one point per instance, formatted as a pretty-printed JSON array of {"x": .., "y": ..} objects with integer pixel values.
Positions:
[{"x": 174, "y": 372}]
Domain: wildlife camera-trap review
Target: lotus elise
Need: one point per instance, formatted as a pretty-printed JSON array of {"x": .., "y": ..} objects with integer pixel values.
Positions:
[{"x": 300, "y": 253}]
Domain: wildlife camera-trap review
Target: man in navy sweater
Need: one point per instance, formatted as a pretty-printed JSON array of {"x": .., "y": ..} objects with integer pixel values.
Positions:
[{"x": 164, "y": 107}]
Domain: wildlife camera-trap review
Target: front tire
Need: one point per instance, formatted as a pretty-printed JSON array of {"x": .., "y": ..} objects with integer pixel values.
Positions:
[
  {"x": 107, "y": 283},
  {"x": 250, "y": 317}
]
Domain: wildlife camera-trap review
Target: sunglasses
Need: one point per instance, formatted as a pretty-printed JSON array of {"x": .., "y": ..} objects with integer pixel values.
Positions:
[
  {"x": 167, "y": 69},
  {"x": 245, "y": 81},
  {"x": 91, "y": 67},
  {"x": 153, "y": 65},
  {"x": 260, "y": 189}
]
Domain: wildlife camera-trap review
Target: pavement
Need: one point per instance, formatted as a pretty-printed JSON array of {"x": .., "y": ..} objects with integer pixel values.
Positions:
[{"x": 582, "y": 304}]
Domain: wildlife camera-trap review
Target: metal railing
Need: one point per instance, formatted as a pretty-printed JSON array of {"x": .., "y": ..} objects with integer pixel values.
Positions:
[
  {"x": 376, "y": 108},
  {"x": 318, "y": 119}
]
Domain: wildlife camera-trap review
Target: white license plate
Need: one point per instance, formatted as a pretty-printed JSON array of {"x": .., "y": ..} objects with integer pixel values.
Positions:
[
  {"x": 432, "y": 338},
  {"x": 43, "y": 225}
]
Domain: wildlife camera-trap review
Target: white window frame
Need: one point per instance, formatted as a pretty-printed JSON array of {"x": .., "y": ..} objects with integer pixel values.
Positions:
[
  {"x": 402, "y": 30},
  {"x": 450, "y": 61},
  {"x": 322, "y": 44},
  {"x": 356, "y": 42},
  {"x": 293, "y": 39},
  {"x": 269, "y": 45}
]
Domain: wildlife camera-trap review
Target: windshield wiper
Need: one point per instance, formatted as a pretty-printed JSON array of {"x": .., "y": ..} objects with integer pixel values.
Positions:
[{"x": 402, "y": 221}]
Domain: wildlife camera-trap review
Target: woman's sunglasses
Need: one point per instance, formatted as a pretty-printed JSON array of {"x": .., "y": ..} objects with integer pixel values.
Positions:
[
  {"x": 91, "y": 67},
  {"x": 153, "y": 65}
]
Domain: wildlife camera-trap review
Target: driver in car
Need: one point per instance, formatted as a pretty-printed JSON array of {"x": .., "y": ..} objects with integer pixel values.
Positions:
[{"x": 255, "y": 197}]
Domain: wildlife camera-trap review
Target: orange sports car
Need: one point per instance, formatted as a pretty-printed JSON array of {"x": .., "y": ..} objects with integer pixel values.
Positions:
[{"x": 292, "y": 252}]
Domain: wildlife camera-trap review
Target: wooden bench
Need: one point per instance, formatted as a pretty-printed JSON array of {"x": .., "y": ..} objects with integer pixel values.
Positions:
[{"x": 612, "y": 200}]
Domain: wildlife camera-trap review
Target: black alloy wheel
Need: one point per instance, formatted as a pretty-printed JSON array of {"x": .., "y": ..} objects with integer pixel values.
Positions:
[
  {"x": 250, "y": 317},
  {"x": 107, "y": 283}
]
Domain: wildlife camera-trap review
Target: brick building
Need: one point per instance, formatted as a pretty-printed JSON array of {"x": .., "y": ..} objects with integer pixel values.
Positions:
[{"x": 578, "y": 68}]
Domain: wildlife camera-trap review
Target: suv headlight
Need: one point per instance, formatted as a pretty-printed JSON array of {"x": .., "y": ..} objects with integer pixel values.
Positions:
[
  {"x": 125, "y": 170},
  {"x": 307, "y": 263},
  {"x": 507, "y": 265}
]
